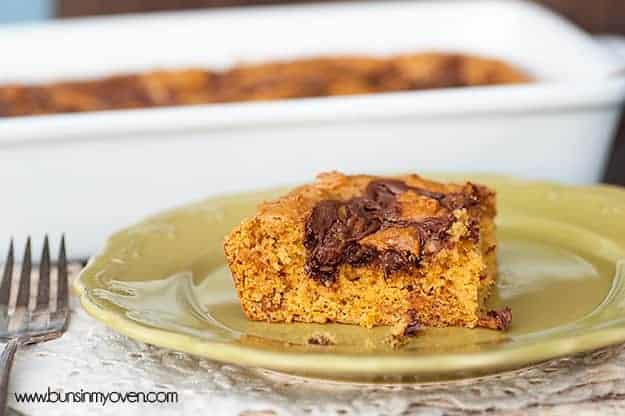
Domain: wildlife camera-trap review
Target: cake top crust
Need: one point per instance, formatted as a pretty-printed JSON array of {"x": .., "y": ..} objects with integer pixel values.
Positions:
[{"x": 394, "y": 222}]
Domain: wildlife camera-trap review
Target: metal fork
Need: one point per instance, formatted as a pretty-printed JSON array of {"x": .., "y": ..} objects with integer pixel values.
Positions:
[{"x": 22, "y": 323}]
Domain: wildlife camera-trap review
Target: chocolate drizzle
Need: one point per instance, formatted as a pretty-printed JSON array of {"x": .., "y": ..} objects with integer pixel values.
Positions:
[{"x": 334, "y": 228}]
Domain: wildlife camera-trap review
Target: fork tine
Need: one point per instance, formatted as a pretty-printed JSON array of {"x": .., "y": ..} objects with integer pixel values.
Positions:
[
  {"x": 7, "y": 277},
  {"x": 23, "y": 294},
  {"x": 62, "y": 293},
  {"x": 43, "y": 289}
]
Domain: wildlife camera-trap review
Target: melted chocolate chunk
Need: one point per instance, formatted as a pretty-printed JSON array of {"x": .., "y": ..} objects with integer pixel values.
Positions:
[
  {"x": 394, "y": 261},
  {"x": 334, "y": 228}
]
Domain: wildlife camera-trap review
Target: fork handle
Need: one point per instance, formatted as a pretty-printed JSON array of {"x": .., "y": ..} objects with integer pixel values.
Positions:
[{"x": 6, "y": 363}]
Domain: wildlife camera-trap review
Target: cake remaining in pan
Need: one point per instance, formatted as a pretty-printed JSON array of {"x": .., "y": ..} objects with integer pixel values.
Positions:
[
  {"x": 370, "y": 251},
  {"x": 313, "y": 77}
]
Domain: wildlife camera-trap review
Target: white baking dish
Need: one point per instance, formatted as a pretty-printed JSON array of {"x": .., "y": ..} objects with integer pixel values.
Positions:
[{"x": 88, "y": 174}]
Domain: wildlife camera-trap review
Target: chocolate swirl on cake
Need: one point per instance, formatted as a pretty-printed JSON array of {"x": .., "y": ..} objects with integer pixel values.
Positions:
[{"x": 334, "y": 228}]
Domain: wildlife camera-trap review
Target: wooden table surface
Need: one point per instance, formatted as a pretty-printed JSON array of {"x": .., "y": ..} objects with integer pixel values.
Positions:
[{"x": 596, "y": 16}]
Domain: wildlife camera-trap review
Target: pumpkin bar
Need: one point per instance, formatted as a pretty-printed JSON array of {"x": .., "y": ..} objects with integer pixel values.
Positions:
[
  {"x": 370, "y": 251},
  {"x": 304, "y": 77}
]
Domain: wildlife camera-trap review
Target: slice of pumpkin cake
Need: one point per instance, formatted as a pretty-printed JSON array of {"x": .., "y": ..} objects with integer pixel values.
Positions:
[{"x": 370, "y": 250}]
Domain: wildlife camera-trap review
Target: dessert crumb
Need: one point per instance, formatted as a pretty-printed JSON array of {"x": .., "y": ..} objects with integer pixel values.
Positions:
[
  {"x": 404, "y": 329},
  {"x": 412, "y": 326},
  {"x": 396, "y": 341},
  {"x": 321, "y": 338},
  {"x": 499, "y": 320}
]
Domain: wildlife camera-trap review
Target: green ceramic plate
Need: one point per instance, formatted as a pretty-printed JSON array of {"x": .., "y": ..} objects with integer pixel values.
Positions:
[{"x": 561, "y": 252}]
